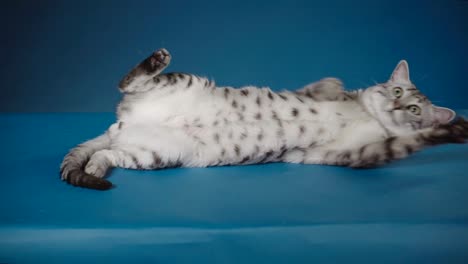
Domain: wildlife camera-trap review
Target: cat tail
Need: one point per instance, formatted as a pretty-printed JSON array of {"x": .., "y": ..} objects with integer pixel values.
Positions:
[{"x": 72, "y": 167}]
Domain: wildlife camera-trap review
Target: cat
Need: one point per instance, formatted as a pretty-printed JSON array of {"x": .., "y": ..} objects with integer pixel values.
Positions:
[{"x": 177, "y": 119}]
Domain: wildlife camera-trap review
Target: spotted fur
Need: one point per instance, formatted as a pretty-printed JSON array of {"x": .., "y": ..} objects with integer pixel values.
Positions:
[{"x": 177, "y": 119}]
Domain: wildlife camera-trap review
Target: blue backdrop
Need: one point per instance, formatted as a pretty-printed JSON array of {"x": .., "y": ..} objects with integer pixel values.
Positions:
[
  {"x": 63, "y": 56},
  {"x": 68, "y": 56}
]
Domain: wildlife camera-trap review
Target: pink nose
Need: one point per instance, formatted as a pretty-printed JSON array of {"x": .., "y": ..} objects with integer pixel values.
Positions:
[{"x": 396, "y": 105}]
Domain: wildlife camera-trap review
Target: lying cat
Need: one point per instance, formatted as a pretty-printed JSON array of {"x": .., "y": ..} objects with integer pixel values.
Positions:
[{"x": 177, "y": 119}]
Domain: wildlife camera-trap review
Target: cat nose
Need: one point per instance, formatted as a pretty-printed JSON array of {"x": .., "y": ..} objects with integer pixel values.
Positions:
[{"x": 396, "y": 105}]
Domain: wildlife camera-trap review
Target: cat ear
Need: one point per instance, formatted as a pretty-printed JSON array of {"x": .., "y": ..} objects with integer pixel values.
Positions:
[
  {"x": 443, "y": 115},
  {"x": 401, "y": 73}
]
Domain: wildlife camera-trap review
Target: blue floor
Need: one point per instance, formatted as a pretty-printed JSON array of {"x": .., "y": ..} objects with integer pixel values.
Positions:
[{"x": 411, "y": 211}]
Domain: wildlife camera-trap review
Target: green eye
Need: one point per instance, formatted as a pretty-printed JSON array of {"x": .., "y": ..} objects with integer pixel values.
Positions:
[
  {"x": 414, "y": 109},
  {"x": 397, "y": 92}
]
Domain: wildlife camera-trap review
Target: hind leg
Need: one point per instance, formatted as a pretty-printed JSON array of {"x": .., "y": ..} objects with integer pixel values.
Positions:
[
  {"x": 140, "y": 77},
  {"x": 140, "y": 158},
  {"x": 100, "y": 162}
]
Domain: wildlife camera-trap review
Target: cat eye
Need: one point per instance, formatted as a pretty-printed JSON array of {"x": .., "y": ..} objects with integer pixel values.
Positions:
[
  {"x": 397, "y": 92},
  {"x": 414, "y": 109}
]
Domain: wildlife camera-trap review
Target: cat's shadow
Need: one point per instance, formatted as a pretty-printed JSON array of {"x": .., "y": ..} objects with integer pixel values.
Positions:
[{"x": 456, "y": 156}]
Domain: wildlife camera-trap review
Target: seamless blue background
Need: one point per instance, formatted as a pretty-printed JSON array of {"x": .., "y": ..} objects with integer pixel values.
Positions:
[{"x": 67, "y": 56}]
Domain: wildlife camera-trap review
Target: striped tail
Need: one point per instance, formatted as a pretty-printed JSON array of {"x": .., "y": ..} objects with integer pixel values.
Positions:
[{"x": 72, "y": 167}]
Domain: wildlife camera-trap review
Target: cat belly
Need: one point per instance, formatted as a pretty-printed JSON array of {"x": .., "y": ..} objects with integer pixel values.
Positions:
[
  {"x": 168, "y": 109},
  {"x": 201, "y": 146},
  {"x": 199, "y": 129},
  {"x": 192, "y": 146}
]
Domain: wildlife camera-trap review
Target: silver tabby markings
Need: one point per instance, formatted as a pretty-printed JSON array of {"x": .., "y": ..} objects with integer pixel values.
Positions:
[{"x": 178, "y": 119}]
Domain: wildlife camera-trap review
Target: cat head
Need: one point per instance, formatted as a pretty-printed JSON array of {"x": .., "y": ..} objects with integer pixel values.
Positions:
[{"x": 401, "y": 107}]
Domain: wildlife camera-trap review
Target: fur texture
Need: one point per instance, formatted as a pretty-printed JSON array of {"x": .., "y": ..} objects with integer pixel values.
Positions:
[{"x": 179, "y": 119}]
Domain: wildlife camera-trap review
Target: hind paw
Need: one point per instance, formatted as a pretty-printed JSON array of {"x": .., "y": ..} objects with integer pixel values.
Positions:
[
  {"x": 95, "y": 169},
  {"x": 159, "y": 59}
]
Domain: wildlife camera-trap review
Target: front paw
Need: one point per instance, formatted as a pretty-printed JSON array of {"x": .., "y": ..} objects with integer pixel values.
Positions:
[
  {"x": 455, "y": 132},
  {"x": 332, "y": 82},
  {"x": 327, "y": 89}
]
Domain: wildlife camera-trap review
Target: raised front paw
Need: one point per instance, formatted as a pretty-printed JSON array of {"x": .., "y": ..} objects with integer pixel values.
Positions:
[
  {"x": 327, "y": 89},
  {"x": 331, "y": 82}
]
